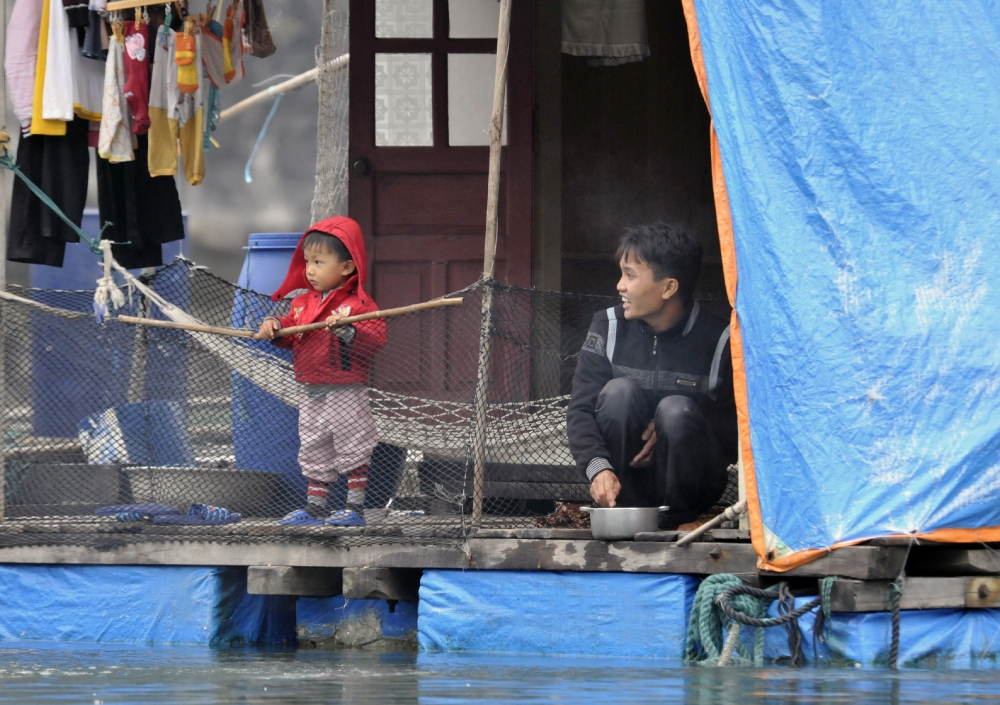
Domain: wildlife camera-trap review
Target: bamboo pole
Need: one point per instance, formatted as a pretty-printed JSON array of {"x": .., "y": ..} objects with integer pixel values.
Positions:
[
  {"x": 489, "y": 264},
  {"x": 728, "y": 515},
  {"x": 292, "y": 330},
  {"x": 283, "y": 87}
]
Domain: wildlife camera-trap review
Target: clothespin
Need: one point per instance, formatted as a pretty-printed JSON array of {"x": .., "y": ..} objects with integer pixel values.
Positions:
[{"x": 138, "y": 17}]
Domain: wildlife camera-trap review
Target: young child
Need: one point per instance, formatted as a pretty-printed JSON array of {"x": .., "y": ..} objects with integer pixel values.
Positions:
[{"x": 336, "y": 430}]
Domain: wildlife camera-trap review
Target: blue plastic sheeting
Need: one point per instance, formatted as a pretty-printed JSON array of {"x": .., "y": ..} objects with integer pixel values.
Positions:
[
  {"x": 600, "y": 614},
  {"x": 927, "y": 638},
  {"x": 862, "y": 163},
  {"x": 319, "y": 617},
  {"x": 147, "y": 604}
]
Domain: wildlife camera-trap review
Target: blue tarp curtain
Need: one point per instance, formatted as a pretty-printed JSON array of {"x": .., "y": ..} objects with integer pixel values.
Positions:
[{"x": 860, "y": 147}]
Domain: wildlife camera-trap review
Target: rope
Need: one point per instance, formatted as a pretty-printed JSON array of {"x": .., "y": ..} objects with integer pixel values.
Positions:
[
  {"x": 723, "y": 602},
  {"x": 260, "y": 137},
  {"x": 894, "y": 597},
  {"x": 704, "y": 638}
]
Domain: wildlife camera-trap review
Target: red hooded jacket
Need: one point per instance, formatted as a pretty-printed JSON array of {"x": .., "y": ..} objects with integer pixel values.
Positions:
[{"x": 319, "y": 356}]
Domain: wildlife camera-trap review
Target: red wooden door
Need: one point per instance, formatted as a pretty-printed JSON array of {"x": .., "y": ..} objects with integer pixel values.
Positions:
[{"x": 421, "y": 85}]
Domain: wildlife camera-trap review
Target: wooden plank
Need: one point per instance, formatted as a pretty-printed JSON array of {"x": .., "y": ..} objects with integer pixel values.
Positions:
[
  {"x": 964, "y": 592},
  {"x": 957, "y": 561},
  {"x": 861, "y": 562},
  {"x": 616, "y": 556},
  {"x": 293, "y": 580},
  {"x": 484, "y": 554},
  {"x": 381, "y": 583}
]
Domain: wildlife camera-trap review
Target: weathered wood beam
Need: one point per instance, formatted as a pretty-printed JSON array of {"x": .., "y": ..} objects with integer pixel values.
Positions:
[
  {"x": 382, "y": 583},
  {"x": 965, "y": 592},
  {"x": 861, "y": 562},
  {"x": 956, "y": 561},
  {"x": 293, "y": 580}
]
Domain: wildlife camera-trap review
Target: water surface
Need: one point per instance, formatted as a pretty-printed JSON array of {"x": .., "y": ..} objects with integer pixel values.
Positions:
[{"x": 98, "y": 674}]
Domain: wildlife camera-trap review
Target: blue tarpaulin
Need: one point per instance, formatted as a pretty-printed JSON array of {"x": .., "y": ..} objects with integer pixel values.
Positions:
[
  {"x": 860, "y": 146},
  {"x": 604, "y": 614}
]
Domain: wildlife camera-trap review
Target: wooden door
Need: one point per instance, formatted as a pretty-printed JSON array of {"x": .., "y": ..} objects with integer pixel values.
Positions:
[{"x": 421, "y": 85}]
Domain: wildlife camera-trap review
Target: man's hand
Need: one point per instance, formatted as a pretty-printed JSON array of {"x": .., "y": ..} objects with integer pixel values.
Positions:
[
  {"x": 268, "y": 328},
  {"x": 648, "y": 452},
  {"x": 605, "y": 488}
]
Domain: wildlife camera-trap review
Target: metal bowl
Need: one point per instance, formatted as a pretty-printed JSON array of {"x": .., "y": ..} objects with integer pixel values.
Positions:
[{"x": 617, "y": 523}]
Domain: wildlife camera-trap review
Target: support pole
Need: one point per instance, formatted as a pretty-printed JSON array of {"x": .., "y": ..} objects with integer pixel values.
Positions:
[
  {"x": 489, "y": 264},
  {"x": 4, "y": 211}
]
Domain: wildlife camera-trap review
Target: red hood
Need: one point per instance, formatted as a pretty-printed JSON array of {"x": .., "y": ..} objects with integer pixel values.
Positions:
[{"x": 349, "y": 233}]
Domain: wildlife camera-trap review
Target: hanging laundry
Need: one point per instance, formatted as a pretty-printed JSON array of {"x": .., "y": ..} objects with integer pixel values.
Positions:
[
  {"x": 163, "y": 100},
  {"x": 88, "y": 84},
  {"x": 232, "y": 43},
  {"x": 60, "y": 166},
  {"x": 95, "y": 43},
  {"x": 214, "y": 53},
  {"x": 255, "y": 31},
  {"x": 137, "y": 74},
  {"x": 145, "y": 210},
  {"x": 39, "y": 125},
  {"x": 116, "y": 142},
  {"x": 185, "y": 56},
  {"x": 77, "y": 12},
  {"x": 57, "y": 92},
  {"x": 20, "y": 56},
  {"x": 175, "y": 116}
]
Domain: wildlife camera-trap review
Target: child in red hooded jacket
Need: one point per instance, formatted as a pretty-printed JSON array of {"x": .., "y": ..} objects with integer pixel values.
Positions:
[{"x": 336, "y": 430}]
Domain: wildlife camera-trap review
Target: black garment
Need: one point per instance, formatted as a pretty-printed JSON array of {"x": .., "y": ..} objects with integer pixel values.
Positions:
[
  {"x": 145, "y": 211},
  {"x": 692, "y": 360},
  {"x": 689, "y": 470},
  {"x": 60, "y": 166}
]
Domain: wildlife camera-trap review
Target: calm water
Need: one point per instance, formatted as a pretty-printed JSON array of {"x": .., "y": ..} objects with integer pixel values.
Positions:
[{"x": 35, "y": 673}]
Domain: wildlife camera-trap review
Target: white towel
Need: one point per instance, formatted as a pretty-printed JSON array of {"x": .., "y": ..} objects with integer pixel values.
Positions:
[
  {"x": 22, "y": 55},
  {"x": 116, "y": 142},
  {"x": 57, "y": 93},
  {"x": 608, "y": 32}
]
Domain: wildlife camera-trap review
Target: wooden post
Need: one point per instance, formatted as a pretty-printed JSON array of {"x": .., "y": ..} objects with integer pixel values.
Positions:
[
  {"x": 489, "y": 264},
  {"x": 4, "y": 210}
]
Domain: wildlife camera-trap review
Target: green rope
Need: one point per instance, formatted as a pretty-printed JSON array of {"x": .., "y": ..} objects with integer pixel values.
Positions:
[
  {"x": 704, "y": 642},
  {"x": 7, "y": 163}
]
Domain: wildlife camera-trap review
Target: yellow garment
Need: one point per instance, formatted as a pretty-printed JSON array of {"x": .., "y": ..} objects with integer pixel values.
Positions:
[
  {"x": 175, "y": 117},
  {"x": 39, "y": 125}
]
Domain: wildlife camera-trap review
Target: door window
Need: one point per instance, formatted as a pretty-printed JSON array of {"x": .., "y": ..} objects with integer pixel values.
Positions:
[
  {"x": 412, "y": 19},
  {"x": 470, "y": 99},
  {"x": 473, "y": 19},
  {"x": 403, "y": 101}
]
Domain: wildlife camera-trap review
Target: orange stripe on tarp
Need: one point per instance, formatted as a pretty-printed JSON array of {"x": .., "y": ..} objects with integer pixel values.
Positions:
[{"x": 727, "y": 244}]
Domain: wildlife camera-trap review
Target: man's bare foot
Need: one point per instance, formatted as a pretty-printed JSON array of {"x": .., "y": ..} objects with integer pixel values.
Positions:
[{"x": 690, "y": 526}]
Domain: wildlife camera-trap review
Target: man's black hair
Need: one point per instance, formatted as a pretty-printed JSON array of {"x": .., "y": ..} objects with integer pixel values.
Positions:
[
  {"x": 330, "y": 243},
  {"x": 668, "y": 250}
]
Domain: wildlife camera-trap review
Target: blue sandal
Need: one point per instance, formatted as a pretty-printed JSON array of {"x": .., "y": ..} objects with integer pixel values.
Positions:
[
  {"x": 300, "y": 517},
  {"x": 345, "y": 517}
]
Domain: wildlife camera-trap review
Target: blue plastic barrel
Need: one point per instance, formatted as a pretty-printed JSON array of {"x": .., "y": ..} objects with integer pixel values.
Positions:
[{"x": 265, "y": 429}]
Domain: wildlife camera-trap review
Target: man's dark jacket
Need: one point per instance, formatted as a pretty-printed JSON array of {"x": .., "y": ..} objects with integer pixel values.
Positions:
[{"x": 691, "y": 359}]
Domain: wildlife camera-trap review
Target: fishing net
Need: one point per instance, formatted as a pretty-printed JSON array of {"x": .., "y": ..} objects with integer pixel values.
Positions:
[{"x": 170, "y": 434}]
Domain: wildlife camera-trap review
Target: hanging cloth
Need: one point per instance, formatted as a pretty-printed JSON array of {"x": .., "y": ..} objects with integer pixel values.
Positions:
[
  {"x": 608, "y": 32},
  {"x": 39, "y": 125},
  {"x": 21, "y": 54},
  {"x": 255, "y": 30},
  {"x": 136, "y": 59},
  {"x": 232, "y": 42},
  {"x": 163, "y": 99},
  {"x": 77, "y": 12},
  {"x": 88, "y": 84},
  {"x": 58, "y": 90},
  {"x": 60, "y": 166},
  {"x": 116, "y": 142}
]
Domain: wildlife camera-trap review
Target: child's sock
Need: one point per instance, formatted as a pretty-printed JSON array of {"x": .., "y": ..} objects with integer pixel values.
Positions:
[
  {"x": 357, "y": 483},
  {"x": 316, "y": 497}
]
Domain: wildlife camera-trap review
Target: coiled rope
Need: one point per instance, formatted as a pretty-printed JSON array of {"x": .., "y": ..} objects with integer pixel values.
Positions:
[{"x": 724, "y": 603}]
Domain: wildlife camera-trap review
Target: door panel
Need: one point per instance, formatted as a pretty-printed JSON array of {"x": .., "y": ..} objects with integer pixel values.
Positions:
[{"x": 423, "y": 208}]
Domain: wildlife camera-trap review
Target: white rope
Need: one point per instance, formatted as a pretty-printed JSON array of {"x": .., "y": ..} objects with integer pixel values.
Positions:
[{"x": 107, "y": 291}]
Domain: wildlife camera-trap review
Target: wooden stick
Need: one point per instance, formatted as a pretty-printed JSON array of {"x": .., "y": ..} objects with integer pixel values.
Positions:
[
  {"x": 489, "y": 263},
  {"x": 728, "y": 515},
  {"x": 283, "y": 87},
  {"x": 251, "y": 335}
]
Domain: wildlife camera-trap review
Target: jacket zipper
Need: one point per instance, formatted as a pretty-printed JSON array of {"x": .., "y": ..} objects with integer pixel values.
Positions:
[{"x": 656, "y": 366}]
